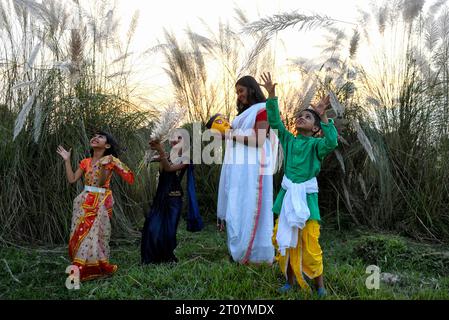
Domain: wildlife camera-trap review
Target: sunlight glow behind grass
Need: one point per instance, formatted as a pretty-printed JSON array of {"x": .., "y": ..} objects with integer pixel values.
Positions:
[{"x": 177, "y": 15}]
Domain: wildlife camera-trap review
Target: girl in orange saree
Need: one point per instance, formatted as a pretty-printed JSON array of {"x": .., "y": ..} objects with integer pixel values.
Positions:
[{"x": 92, "y": 208}]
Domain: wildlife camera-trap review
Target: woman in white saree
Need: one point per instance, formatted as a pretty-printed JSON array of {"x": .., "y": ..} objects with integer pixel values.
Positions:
[{"x": 245, "y": 195}]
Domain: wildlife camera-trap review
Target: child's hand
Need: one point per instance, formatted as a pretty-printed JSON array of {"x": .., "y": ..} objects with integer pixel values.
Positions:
[
  {"x": 157, "y": 158},
  {"x": 64, "y": 153},
  {"x": 268, "y": 84},
  {"x": 156, "y": 145},
  {"x": 322, "y": 106}
]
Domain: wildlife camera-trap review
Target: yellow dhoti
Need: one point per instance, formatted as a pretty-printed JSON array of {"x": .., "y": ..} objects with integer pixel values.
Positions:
[{"x": 306, "y": 258}]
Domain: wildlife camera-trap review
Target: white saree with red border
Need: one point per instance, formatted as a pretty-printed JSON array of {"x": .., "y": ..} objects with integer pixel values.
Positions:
[{"x": 245, "y": 195}]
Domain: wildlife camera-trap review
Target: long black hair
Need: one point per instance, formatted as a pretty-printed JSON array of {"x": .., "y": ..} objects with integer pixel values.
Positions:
[
  {"x": 114, "y": 150},
  {"x": 255, "y": 94}
]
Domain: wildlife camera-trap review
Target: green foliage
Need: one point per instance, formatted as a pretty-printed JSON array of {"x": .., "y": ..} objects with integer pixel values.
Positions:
[
  {"x": 204, "y": 271},
  {"x": 380, "y": 250}
]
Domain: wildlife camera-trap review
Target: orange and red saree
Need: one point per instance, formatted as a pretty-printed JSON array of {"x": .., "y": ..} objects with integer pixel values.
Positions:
[{"x": 91, "y": 227}]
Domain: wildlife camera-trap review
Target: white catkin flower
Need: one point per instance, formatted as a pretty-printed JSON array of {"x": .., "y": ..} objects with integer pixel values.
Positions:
[
  {"x": 38, "y": 118},
  {"x": 23, "y": 115},
  {"x": 336, "y": 105},
  {"x": 169, "y": 120},
  {"x": 23, "y": 84},
  {"x": 309, "y": 96},
  {"x": 340, "y": 161},
  {"x": 32, "y": 57},
  {"x": 364, "y": 140},
  {"x": 147, "y": 157}
]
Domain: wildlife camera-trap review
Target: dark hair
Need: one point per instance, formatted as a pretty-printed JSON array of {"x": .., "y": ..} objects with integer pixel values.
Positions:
[
  {"x": 114, "y": 150},
  {"x": 255, "y": 94}
]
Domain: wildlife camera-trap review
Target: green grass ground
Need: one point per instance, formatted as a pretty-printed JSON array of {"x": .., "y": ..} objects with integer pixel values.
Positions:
[{"x": 205, "y": 272}]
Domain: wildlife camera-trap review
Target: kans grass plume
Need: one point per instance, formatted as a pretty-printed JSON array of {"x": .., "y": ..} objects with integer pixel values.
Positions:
[
  {"x": 271, "y": 25},
  {"x": 167, "y": 123}
]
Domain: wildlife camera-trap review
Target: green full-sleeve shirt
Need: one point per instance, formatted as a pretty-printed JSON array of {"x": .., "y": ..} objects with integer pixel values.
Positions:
[{"x": 302, "y": 155}]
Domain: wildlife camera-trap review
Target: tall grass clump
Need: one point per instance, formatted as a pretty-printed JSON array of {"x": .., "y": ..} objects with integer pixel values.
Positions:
[
  {"x": 390, "y": 171},
  {"x": 56, "y": 87}
]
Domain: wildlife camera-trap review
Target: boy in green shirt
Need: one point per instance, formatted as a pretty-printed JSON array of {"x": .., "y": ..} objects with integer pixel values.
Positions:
[{"x": 297, "y": 229}]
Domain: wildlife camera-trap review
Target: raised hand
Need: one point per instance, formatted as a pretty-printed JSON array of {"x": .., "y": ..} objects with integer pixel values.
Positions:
[
  {"x": 268, "y": 84},
  {"x": 64, "y": 153},
  {"x": 156, "y": 145},
  {"x": 322, "y": 106},
  {"x": 155, "y": 158}
]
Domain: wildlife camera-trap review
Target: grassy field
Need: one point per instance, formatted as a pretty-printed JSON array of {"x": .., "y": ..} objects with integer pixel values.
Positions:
[{"x": 205, "y": 272}]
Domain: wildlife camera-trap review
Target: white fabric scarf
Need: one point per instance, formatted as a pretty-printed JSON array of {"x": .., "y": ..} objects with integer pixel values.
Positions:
[{"x": 294, "y": 212}]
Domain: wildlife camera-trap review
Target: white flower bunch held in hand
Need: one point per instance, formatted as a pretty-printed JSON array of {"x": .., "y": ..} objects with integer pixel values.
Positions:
[{"x": 167, "y": 123}]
